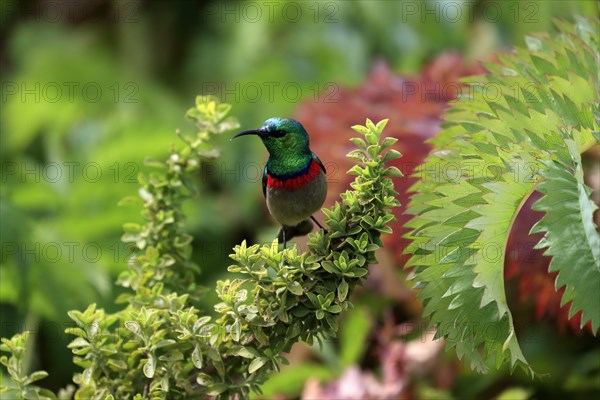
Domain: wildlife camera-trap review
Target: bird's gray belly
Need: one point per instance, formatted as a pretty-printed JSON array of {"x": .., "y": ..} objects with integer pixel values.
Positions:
[{"x": 290, "y": 207}]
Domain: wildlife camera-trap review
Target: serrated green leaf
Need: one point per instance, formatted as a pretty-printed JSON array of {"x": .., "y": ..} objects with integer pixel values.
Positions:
[
  {"x": 461, "y": 284},
  {"x": 572, "y": 238}
]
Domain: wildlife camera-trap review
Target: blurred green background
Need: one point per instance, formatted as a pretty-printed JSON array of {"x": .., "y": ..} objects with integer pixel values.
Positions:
[{"x": 90, "y": 89}]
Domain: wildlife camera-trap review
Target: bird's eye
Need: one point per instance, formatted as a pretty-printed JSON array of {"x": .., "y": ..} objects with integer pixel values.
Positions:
[{"x": 277, "y": 133}]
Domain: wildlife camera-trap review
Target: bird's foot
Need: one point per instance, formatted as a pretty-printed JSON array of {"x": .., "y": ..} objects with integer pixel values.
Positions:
[{"x": 320, "y": 226}]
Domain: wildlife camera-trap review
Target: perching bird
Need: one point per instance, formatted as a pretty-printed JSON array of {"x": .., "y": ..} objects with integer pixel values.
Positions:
[{"x": 293, "y": 181}]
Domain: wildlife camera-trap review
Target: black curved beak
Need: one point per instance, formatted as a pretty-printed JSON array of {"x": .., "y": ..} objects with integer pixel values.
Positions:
[{"x": 258, "y": 132}]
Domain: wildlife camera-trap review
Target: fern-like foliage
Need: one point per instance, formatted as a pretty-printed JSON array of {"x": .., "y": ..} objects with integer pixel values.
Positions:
[{"x": 519, "y": 129}]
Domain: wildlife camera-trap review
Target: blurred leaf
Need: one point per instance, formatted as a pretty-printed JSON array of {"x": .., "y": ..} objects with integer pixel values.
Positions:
[
  {"x": 516, "y": 393},
  {"x": 354, "y": 331},
  {"x": 290, "y": 380}
]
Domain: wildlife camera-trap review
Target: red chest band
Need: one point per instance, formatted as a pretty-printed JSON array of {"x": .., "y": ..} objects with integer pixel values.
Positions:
[{"x": 297, "y": 181}]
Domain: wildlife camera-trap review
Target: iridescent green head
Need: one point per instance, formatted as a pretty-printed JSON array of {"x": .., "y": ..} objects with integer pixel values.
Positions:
[{"x": 282, "y": 137}]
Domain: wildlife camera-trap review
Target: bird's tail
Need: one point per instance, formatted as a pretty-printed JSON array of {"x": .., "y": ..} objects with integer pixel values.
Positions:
[{"x": 303, "y": 228}]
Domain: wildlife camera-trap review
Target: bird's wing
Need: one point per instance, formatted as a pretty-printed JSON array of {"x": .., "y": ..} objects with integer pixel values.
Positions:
[
  {"x": 264, "y": 181},
  {"x": 314, "y": 157}
]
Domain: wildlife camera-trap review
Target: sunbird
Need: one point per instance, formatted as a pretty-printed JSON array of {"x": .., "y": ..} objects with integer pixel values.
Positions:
[{"x": 294, "y": 179}]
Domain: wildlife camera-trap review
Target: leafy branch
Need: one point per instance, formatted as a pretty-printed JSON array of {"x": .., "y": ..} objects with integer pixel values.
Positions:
[
  {"x": 22, "y": 383},
  {"x": 161, "y": 346}
]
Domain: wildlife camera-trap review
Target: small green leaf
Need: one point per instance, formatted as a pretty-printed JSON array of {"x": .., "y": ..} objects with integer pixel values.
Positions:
[
  {"x": 360, "y": 129},
  {"x": 355, "y": 170},
  {"x": 36, "y": 376},
  {"x": 356, "y": 155},
  {"x": 217, "y": 389},
  {"x": 388, "y": 142},
  {"x": 342, "y": 290},
  {"x": 150, "y": 367},
  {"x": 200, "y": 323},
  {"x": 163, "y": 343},
  {"x": 133, "y": 327},
  {"x": 330, "y": 267},
  {"x": 359, "y": 272},
  {"x": 78, "y": 342},
  {"x": 334, "y": 309},
  {"x": 236, "y": 330},
  {"x": 86, "y": 375},
  {"x": 373, "y": 150},
  {"x": 371, "y": 126},
  {"x": 371, "y": 138},
  {"x": 381, "y": 125},
  {"x": 117, "y": 364},
  {"x": 245, "y": 352},
  {"x": 197, "y": 358},
  {"x": 391, "y": 155},
  {"x": 256, "y": 364},
  {"x": 295, "y": 288},
  {"x": 393, "y": 172},
  {"x": 203, "y": 379},
  {"x": 359, "y": 143}
]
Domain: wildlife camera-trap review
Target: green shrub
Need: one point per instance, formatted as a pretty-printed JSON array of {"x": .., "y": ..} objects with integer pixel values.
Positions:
[{"x": 161, "y": 346}]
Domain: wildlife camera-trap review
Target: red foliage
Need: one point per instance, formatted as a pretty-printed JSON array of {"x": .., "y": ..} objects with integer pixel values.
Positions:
[{"x": 414, "y": 106}]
